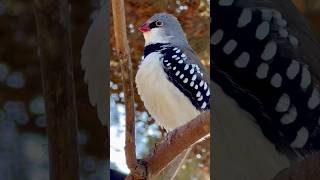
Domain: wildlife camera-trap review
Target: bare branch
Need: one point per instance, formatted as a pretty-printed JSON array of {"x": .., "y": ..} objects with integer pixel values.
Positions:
[
  {"x": 127, "y": 79},
  {"x": 178, "y": 140}
]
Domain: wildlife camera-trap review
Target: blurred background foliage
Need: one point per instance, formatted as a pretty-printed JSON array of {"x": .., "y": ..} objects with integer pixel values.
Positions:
[{"x": 23, "y": 142}]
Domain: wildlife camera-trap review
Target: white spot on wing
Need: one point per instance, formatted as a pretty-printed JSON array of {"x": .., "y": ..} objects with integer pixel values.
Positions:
[
  {"x": 263, "y": 30},
  {"x": 204, "y": 104},
  {"x": 269, "y": 51},
  {"x": 262, "y": 71},
  {"x": 205, "y": 86},
  {"x": 186, "y": 67},
  {"x": 305, "y": 77},
  {"x": 208, "y": 93},
  {"x": 245, "y": 18},
  {"x": 293, "y": 69},
  {"x": 314, "y": 100},
  {"x": 276, "y": 80},
  {"x": 283, "y": 103},
  {"x": 194, "y": 77},
  {"x": 191, "y": 71},
  {"x": 230, "y": 46},
  {"x": 201, "y": 83},
  {"x": 301, "y": 138},
  {"x": 242, "y": 60},
  {"x": 289, "y": 117}
]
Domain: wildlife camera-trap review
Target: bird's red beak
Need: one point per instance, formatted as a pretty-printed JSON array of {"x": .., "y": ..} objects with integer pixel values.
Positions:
[{"x": 144, "y": 27}]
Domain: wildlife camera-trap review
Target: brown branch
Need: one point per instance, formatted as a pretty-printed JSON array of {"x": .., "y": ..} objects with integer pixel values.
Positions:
[
  {"x": 54, "y": 37},
  {"x": 308, "y": 169},
  {"x": 123, "y": 52},
  {"x": 178, "y": 140}
]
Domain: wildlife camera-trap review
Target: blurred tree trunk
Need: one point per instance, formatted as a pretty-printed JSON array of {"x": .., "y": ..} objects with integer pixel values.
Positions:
[{"x": 53, "y": 24}]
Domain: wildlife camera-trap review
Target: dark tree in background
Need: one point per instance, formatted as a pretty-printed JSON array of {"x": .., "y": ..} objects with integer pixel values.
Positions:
[{"x": 23, "y": 139}]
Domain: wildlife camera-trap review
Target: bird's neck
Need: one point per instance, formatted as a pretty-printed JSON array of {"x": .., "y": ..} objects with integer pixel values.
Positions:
[{"x": 153, "y": 47}]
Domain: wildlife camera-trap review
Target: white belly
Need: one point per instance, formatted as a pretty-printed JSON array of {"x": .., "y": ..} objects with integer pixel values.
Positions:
[
  {"x": 240, "y": 150},
  {"x": 165, "y": 102}
]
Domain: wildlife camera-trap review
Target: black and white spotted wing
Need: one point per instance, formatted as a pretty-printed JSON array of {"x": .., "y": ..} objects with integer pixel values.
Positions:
[
  {"x": 187, "y": 77},
  {"x": 257, "y": 62}
]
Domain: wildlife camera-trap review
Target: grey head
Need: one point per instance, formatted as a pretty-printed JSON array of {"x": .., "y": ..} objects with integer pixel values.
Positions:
[{"x": 163, "y": 28}]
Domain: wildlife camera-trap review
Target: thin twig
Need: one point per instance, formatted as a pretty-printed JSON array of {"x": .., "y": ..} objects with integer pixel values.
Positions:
[{"x": 123, "y": 52}]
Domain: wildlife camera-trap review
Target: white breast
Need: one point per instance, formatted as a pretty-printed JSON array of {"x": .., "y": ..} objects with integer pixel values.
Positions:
[
  {"x": 165, "y": 102},
  {"x": 240, "y": 150}
]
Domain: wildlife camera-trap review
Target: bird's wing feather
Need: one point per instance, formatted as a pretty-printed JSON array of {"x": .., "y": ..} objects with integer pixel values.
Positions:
[
  {"x": 94, "y": 56},
  {"x": 283, "y": 72},
  {"x": 187, "y": 76}
]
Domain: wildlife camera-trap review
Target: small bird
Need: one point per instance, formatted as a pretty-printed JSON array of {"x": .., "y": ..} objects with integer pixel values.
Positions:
[{"x": 170, "y": 80}]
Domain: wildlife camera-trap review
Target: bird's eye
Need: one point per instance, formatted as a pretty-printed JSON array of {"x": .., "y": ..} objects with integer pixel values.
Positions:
[{"x": 159, "y": 23}]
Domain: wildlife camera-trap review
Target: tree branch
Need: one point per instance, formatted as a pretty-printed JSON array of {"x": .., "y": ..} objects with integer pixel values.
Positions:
[
  {"x": 123, "y": 52},
  {"x": 178, "y": 140}
]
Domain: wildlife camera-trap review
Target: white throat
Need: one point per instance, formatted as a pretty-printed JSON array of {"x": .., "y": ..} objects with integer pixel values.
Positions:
[{"x": 156, "y": 35}]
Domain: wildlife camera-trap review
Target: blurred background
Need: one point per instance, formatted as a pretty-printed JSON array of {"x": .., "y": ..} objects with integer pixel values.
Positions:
[{"x": 23, "y": 141}]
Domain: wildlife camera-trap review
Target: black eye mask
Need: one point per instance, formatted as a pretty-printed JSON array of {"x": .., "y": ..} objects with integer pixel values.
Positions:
[{"x": 153, "y": 25}]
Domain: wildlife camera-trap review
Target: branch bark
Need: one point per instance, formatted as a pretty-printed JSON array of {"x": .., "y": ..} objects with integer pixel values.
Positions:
[
  {"x": 178, "y": 140},
  {"x": 53, "y": 26},
  {"x": 123, "y": 52}
]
